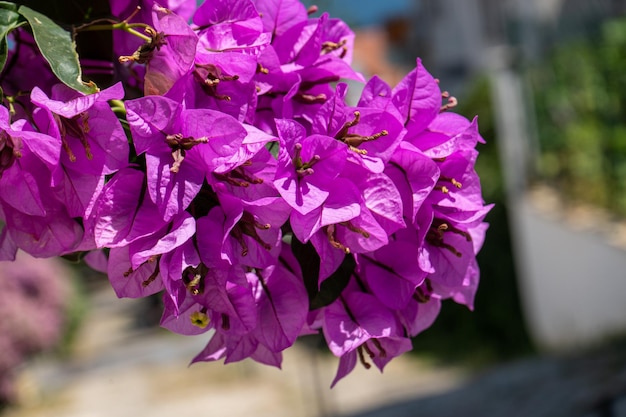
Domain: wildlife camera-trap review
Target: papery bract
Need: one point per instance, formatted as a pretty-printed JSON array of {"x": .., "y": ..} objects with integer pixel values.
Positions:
[{"x": 175, "y": 58}]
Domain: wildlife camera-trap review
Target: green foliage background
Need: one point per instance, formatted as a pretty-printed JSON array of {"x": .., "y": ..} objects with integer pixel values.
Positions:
[{"x": 579, "y": 94}]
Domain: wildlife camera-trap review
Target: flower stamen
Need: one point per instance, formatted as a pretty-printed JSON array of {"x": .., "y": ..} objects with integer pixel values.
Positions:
[
  {"x": 379, "y": 346},
  {"x": 225, "y": 322},
  {"x": 310, "y": 99},
  {"x": 347, "y": 125},
  {"x": 76, "y": 126},
  {"x": 451, "y": 181},
  {"x": 303, "y": 168},
  {"x": 365, "y": 364},
  {"x": 355, "y": 229},
  {"x": 353, "y": 140},
  {"x": 180, "y": 145},
  {"x": 239, "y": 177},
  {"x": 330, "y": 234},
  {"x": 261, "y": 69},
  {"x": 435, "y": 236},
  {"x": 152, "y": 276},
  {"x": 329, "y": 46},
  {"x": 209, "y": 77},
  {"x": 452, "y": 102},
  {"x": 248, "y": 226},
  {"x": 144, "y": 53},
  {"x": 423, "y": 296}
]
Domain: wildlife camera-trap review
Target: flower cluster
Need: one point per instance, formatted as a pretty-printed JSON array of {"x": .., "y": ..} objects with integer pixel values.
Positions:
[{"x": 240, "y": 183}]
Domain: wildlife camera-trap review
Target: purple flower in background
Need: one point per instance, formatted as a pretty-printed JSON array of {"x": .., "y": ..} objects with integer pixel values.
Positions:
[{"x": 34, "y": 297}]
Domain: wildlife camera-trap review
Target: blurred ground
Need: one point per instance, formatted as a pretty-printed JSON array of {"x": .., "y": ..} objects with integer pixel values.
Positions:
[
  {"x": 116, "y": 370},
  {"x": 586, "y": 385}
]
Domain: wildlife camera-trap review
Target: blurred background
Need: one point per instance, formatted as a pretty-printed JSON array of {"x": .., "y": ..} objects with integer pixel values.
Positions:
[{"x": 548, "y": 334}]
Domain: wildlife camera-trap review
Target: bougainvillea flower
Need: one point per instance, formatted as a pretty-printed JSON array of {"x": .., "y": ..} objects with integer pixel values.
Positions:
[
  {"x": 92, "y": 137},
  {"x": 228, "y": 293},
  {"x": 233, "y": 25},
  {"x": 234, "y": 348},
  {"x": 188, "y": 318},
  {"x": 282, "y": 306},
  {"x": 181, "y": 148},
  {"x": 420, "y": 313},
  {"x": 356, "y": 323},
  {"x": 169, "y": 237},
  {"x": 279, "y": 15},
  {"x": 221, "y": 82},
  {"x": 232, "y": 234},
  {"x": 27, "y": 160},
  {"x": 92, "y": 140},
  {"x": 54, "y": 234},
  {"x": 418, "y": 98},
  {"x": 132, "y": 282},
  {"x": 124, "y": 211},
  {"x": 174, "y": 57},
  {"x": 318, "y": 49},
  {"x": 307, "y": 166},
  {"x": 140, "y": 11},
  {"x": 380, "y": 196},
  {"x": 341, "y": 205},
  {"x": 280, "y": 298},
  {"x": 391, "y": 274},
  {"x": 415, "y": 175}
]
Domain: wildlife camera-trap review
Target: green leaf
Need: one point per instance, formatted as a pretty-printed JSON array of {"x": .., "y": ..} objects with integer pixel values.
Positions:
[
  {"x": 58, "y": 48},
  {"x": 9, "y": 20},
  {"x": 8, "y": 6},
  {"x": 273, "y": 147}
]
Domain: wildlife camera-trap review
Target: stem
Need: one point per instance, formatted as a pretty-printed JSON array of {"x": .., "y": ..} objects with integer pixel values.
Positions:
[{"x": 126, "y": 27}]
